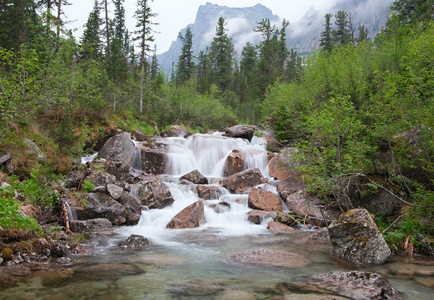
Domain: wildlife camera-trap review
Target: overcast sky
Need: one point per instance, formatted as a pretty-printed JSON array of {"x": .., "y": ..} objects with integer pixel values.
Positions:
[{"x": 173, "y": 15}]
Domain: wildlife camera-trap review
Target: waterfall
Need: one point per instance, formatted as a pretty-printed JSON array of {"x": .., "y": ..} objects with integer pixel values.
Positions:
[
  {"x": 72, "y": 214},
  {"x": 137, "y": 160},
  {"x": 226, "y": 213}
]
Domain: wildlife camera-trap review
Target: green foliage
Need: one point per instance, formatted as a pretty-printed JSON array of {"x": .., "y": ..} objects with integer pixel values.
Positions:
[
  {"x": 88, "y": 186},
  {"x": 37, "y": 189},
  {"x": 11, "y": 219}
]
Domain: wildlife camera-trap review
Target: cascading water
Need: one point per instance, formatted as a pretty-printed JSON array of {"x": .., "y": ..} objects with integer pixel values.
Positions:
[{"x": 207, "y": 153}]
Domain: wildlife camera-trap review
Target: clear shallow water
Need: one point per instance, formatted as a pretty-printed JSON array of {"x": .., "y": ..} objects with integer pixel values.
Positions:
[{"x": 197, "y": 263}]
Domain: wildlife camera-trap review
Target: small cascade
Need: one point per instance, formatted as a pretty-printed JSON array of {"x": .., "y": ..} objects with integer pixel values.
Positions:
[
  {"x": 137, "y": 160},
  {"x": 72, "y": 214},
  {"x": 88, "y": 158},
  {"x": 226, "y": 214}
]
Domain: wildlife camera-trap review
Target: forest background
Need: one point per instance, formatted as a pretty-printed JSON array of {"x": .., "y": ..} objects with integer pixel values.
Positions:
[{"x": 360, "y": 111}]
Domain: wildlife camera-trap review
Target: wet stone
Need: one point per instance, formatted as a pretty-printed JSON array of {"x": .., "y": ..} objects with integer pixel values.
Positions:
[
  {"x": 198, "y": 288},
  {"x": 134, "y": 241},
  {"x": 272, "y": 257}
]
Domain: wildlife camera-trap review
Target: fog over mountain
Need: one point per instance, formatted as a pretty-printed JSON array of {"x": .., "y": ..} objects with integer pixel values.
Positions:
[{"x": 303, "y": 35}]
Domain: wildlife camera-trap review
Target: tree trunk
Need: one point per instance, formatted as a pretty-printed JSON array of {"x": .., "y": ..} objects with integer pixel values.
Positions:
[{"x": 107, "y": 28}]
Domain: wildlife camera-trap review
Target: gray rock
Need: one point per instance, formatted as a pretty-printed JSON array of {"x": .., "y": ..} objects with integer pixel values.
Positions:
[
  {"x": 133, "y": 206},
  {"x": 90, "y": 225},
  {"x": 354, "y": 285},
  {"x": 241, "y": 131},
  {"x": 114, "y": 191},
  {"x": 176, "y": 131},
  {"x": 356, "y": 238},
  {"x": 119, "y": 148},
  {"x": 102, "y": 206},
  {"x": 4, "y": 157},
  {"x": 35, "y": 150},
  {"x": 155, "y": 194},
  {"x": 154, "y": 161}
]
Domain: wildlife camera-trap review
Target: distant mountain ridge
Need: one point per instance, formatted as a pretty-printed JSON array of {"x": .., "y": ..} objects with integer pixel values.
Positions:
[{"x": 303, "y": 35}]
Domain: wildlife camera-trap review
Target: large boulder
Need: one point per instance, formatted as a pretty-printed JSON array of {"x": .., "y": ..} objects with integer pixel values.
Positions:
[
  {"x": 119, "y": 148},
  {"x": 90, "y": 225},
  {"x": 155, "y": 194},
  {"x": 261, "y": 199},
  {"x": 210, "y": 192},
  {"x": 133, "y": 206},
  {"x": 4, "y": 157},
  {"x": 241, "y": 131},
  {"x": 101, "y": 206},
  {"x": 234, "y": 162},
  {"x": 242, "y": 181},
  {"x": 176, "y": 131},
  {"x": 354, "y": 285},
  {"x": 76, "y": 175},
  {"x": 289, "y": 186},
  {"x": 308, "y": 207},
  {"x": 272, "y": 143},
  {"x": 190, "y": 217},
  {"x": 154, "y": 161},
  {"x": 101, "y": 178},
  {"x": 283, "y": 166},
  {"x": 356, "y": 238},
  {"x": 195, "y": 177}
]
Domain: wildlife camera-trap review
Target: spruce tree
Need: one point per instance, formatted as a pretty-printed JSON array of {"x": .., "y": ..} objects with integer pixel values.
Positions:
[
  {"x": 144, "y": 34},
  {"x": 185, "y": 67},
  {"x": 341, "y": 35},
  {"x": 91, "y": 39},
  {"x": 222, "y": 52},
  {"x": 326, "y": 41}
]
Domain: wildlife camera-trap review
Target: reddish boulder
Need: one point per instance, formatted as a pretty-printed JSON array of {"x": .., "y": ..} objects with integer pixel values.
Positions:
[
  {"x": 242, "y": 181},
  {"x": 234, "y": 162},
  {"x": 257, "y": 216},
  {"x": 279, "y": 227},
  {"x": 190, "y": 217},
  {"x": 282, "y": 166},
  {"x": 264, "y": 200},
  {"x": 210, "y": 192},
  {"x": 289, "y": 186}
]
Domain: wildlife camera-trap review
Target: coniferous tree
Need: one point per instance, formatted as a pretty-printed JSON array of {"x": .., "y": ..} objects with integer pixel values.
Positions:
[
  {"x": 341, "y": 35},
  {"x": 203, "y": 72},
  {"x": 154, "y": 70},
  {"x": 185, "y": 68},
  {"x": 221, "y": 53},
  {"x": 326, "y": 41},
  {"x": 363, "y": 34},
  {"x": 411, "y": 11},
  {"x": 144, "y": 34},
  {"x": 91, "y": 39},
  {"x": 107, "y": 28},
  {"x": 59, "y": 19}
]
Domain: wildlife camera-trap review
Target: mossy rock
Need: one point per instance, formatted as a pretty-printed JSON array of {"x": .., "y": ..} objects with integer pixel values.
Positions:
[{"x": 7, "y": 253}]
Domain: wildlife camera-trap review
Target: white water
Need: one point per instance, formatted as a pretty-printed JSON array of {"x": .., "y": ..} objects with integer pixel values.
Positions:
[{"x": 207, "y": 154}]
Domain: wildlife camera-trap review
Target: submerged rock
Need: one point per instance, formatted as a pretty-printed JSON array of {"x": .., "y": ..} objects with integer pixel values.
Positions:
[
  {"x": 190, "y": 217},
  {"x": 272, "y": 257},
  {"x": 279, "y": 227},
  {"x": 196, "y": 290},
  {"x": 356, "y": 238},
  {"x": 354, "y": 285},
  {"x": 134, "y": 241}
]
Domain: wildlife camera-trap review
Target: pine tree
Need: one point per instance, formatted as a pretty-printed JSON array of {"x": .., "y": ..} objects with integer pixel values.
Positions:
[
  {"x": 185, "y": 68},
  {"x": 326, "y": 41},
  {"x": 222, "y": 52},
  {"x": 107, "y": 29},
  {"x": 341, "y": 35},
  {"x": 144, "y": 34},
  {"x": 91, "y": 40},
  {"x": 203, "y": 72},
  {"x": 59, "y": 21},
  {"x": 412, "y": 11},
  {"x": 363, "y": 34}
]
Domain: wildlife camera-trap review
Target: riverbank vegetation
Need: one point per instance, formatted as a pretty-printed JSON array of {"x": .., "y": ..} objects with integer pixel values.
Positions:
[{"x": 359, "y": 109}]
